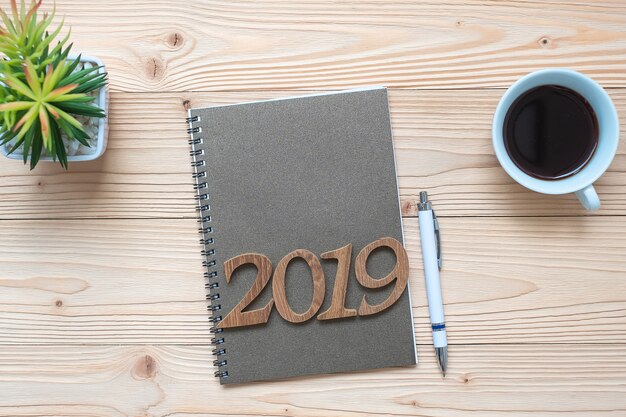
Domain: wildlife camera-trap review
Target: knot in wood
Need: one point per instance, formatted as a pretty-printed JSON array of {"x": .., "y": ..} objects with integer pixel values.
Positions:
[{"x": 145, "y": 367}]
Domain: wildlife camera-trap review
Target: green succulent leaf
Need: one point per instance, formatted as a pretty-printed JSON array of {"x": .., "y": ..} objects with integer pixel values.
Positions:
[
  {"x": 16, "y": 105},
  {"x": 36, "y": 148},
  {"x": 9, "y": 27},
  {"x": 17, "y": 85},
  {"x": 67, "y": 118},
  {"x": 26, "y": 121},
  {"x": 7, "y": 136},
  {"x": 80, "y": 135},
  {"x": 60, "y": 150},
  {"x": 90, "y": 86},
  {"x": 16, "y": 16},
  {"x": 16, "y": 145},
  {"x": 81, "y": 109},
  {"x": 31, "y": 77},
  {"x": 28, "y": 140}
]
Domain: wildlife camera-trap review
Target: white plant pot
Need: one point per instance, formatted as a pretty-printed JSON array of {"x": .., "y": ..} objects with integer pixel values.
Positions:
[{"x": 103, "y": 123}]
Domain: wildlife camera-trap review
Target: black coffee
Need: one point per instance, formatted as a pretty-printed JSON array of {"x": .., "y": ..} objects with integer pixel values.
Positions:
[{"x": 550, "y": 132}]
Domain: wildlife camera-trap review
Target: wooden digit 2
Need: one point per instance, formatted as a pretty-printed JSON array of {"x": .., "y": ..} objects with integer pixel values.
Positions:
[
  {"x": 237, "y": 317},
  {"x": 280, "y": 295},
  {"x": 400, "y": 274}
]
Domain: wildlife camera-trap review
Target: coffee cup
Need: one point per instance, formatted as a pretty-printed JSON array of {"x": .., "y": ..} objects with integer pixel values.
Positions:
[{"x": 580, "y": 181}]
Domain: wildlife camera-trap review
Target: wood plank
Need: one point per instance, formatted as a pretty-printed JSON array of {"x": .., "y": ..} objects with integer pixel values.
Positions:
[
  {"x": 159, "y": 45},
  {"x": 505, "y": 280},
  {"x": 490, "y": 381},
  {"x": 443, "y": 143}
]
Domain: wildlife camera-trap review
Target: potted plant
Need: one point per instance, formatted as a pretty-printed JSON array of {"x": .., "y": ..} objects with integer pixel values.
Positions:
[{"x": 52, "y": 104}]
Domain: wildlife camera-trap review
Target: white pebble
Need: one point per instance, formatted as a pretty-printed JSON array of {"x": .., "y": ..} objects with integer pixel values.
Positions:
[{"x": 73, "y": 147}]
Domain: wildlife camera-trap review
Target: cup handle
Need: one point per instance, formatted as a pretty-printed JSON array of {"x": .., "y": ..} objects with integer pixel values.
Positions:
[{"x": 589, "y": 198}]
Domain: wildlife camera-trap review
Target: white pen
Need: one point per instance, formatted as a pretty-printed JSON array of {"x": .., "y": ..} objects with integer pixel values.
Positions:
[{"x": 431, "y": 251}]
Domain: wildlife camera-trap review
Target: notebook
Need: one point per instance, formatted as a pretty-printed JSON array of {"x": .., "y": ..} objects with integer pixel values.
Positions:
[{"x": 293, "y": 195}]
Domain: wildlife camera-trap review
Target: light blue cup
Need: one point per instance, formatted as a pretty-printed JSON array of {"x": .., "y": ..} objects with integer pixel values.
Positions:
[{"x": 580, "y": 183}]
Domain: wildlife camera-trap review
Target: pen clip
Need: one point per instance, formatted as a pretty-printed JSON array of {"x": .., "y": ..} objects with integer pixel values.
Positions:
[{"x": 438, "y": 238}]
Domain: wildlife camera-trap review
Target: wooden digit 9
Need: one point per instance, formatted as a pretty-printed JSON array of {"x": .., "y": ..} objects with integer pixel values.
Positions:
[
  {"x": 399, "y": 274},
  {"x": 278, "y": 286}
]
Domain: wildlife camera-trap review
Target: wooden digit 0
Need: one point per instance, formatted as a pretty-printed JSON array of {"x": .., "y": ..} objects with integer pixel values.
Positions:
[
  {"x": 280, "y": 295},
  {"x": 337, "y": 309},
  {"x": 399, "y": 274},
  {"x": 237, "y": 317}
]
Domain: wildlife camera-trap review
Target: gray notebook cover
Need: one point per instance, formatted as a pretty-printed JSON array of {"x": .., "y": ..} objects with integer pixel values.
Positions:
[{"x": 316, "y": 173}]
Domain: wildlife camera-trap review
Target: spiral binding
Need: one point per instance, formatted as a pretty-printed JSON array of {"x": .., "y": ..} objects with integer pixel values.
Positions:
[{"x": 209, "y": 263}]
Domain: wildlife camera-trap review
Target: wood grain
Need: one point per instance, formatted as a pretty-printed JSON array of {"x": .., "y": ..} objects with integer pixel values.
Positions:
[
  {"x": 337, "y": 308},
  {"x": 399, "y": 274},
  {"x": 279, "y": 288},
  {"x": 237, "y": 317},
  {"x": 505, "y": 280},
  {"x": 490, "y": 381},
  {"x": 442, "y": 138},
  {"x": 160, "y": 45}
]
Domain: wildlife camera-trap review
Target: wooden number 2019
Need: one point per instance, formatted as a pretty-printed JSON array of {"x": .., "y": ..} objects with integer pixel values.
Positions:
[{"x": 400, "y": 274}]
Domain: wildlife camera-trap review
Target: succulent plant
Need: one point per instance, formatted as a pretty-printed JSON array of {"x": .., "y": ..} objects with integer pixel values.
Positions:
[{"x": 41, "y": 91}]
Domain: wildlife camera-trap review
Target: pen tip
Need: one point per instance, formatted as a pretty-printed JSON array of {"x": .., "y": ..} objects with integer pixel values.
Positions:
[{"x": 442, "y": 359}]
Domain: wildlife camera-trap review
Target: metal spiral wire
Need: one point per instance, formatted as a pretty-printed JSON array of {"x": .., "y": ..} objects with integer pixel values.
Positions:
[{"x": 208, "y": 252}]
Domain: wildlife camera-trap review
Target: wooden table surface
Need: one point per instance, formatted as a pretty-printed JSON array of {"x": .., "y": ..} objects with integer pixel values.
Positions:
[{"x": 102, "y": 299}]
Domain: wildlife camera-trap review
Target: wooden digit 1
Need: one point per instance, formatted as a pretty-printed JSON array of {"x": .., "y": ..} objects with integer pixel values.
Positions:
[
  {"x": 237, "y": 317},
  {"x": 399, "y": 274},
  {"x": 337, "y": 309},
  {"x": 278, "y": 286}
]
